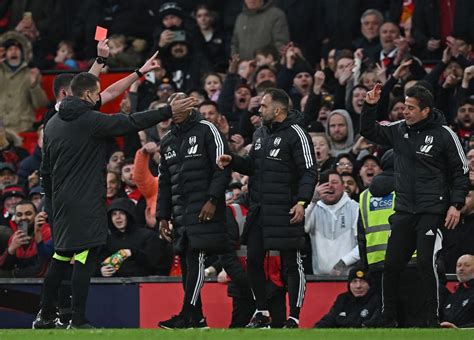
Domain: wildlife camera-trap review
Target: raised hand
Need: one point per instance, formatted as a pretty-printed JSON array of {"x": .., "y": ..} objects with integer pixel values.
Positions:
[
  {"x": 151, "y": 64},
  {"x": 373, "y": 96},
  {"x": 103, "y": 49}
]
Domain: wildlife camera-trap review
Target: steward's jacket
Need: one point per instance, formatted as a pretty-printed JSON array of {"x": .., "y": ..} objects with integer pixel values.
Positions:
[
  {"x": 282, "y": 170},
  {"x": 430, "y": 166},
  {"x": 188, "y": 177}
]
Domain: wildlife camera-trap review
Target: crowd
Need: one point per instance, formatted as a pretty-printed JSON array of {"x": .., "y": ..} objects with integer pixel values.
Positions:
[{"x": 227, "y": 55}]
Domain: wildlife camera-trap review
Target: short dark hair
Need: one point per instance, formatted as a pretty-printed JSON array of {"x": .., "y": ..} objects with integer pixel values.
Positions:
[
  {"x": 62, "y": 81},
  {"x": 208, "y": 102},
  {"x": 422, "y": 95},
  {"x": 266, "y": 51},
  {"x": 127, "y": 161},
  {"x": 466, "y": 101},
  {"x": 27, "y": 202},
  {"x": 82, "y": 82},
  {"x": 279, "y": 96}
]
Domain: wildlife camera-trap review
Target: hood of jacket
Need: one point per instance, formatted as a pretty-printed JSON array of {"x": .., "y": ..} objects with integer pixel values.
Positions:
[
  {"x": 72, "y": 108},
  {"x": 266, "y": 5},
  {"x": 27, "y": 49},
  {"x": 350, "y": 132},
  {"x": 125, "y": 205}
]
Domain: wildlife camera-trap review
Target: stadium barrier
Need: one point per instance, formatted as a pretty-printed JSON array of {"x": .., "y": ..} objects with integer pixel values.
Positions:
[{"x": 140, "y": 302}]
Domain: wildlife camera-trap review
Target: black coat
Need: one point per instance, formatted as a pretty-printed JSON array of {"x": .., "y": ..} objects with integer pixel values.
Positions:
[
  {"x": 189, "y": 176},
  {"x": 74, "y": 168},
  {"x": 150, "y": 254},
  {"x": 459, "y": 307},
  {"x": 430, "y": 166},
  {"x": 282, "y": 170},
  {"x": 351, "y": 311}
]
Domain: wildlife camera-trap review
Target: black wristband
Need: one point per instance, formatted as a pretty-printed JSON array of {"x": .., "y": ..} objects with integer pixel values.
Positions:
[
  {"x": 139, "y": 74},
  {"x": 101, "y": 60}
]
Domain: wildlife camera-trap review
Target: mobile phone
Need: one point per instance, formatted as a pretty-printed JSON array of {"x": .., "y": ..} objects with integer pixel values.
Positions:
[
  {"x": 323, "y": 178},
  {"x": 179, "y": 36},
  {"x": 23, "y": 226}
]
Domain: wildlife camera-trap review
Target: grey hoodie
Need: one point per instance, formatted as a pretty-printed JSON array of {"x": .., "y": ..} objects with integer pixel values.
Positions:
[{"x": 336, "y": 149}]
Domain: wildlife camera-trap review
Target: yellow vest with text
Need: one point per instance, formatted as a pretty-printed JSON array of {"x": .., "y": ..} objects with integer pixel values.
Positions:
[{"x": 375, "y": 212}]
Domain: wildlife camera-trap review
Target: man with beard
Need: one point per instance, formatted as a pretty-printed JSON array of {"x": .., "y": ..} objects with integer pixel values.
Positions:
[
  {"x": 74, "y": 181},
  {"x": 340, "y": 131},
  {"x": 464, "y": 121},
  {"x": 431, "y": 183},
  {"x": 282, "y": 153}
]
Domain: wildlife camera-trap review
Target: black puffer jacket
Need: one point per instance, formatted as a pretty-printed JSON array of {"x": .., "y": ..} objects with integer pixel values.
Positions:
[
  {"x": 430, "y": 166},
  {"x": 189, "y": 176},
  {"x": 150, "y": 254},
  {"x": 282, "y": 170},
  {"x": 74, "y": 168}
]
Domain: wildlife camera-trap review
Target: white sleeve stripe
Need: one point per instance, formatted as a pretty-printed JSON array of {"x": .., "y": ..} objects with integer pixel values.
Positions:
[
  {"x": 217, "y": 138},
  {"x": 396, "y": 122},
  {"x": 465, "y": 165},
  {"x": 304, "y": 142}
]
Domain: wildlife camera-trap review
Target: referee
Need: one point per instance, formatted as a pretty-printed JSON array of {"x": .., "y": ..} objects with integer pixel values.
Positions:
[{"x": 431, "y": 184}]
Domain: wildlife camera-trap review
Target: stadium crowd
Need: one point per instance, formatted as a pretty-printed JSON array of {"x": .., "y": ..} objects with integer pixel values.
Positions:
[{"x": 326, "y": 55}]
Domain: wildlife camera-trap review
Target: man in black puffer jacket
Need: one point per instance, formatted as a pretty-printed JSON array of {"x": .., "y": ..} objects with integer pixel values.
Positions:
[
  {"x": 192, "y": 195},
  {"x": 146, "y": 253},
  {"x": 282, "y": 180},
  {"x": 431, "y": 184}
]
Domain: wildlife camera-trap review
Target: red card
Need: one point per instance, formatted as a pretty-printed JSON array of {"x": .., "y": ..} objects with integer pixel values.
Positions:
[{"x": 100, "y": 33}]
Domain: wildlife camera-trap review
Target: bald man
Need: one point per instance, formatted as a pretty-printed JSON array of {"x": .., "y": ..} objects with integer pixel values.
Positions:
[{"x": 459, "y": 309}]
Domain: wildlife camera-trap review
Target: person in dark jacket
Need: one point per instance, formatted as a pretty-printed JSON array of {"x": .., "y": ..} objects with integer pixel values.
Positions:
[
  {"x": 458, "y": 310},
  {"x": 281, "y": 166},
  {"x": 354, "y": 307},
  {"x": 73, "y": 173},
  {"x": 431, "y": 184},
  {"x": 192, "y": 195},
  {"x": 146, "y": 254}
]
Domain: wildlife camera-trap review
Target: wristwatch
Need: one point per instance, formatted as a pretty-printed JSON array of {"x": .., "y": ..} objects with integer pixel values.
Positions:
[
  {"x": 213, "y": 200},
  {"x": 101, "y": 60}
]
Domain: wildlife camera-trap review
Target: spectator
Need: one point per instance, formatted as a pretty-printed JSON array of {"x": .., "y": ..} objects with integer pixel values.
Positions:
[
  {"x": 340, "y": 131},
  {"x": 20, "y": 86},
  {"x": 156, "y": 133},
  {"x": 322, "y": 151},
  {"x": 389, "y": 35},
  {"x": 64, "y": 59},
  {"x": 458, "y": 311},
  {"x": 210, "y": 40},
  {"x": 36, "y": 197},
  {"x": 354, "y": 307},
  {"x": 129, "y": 185},
  {"x": 27, "y": 255},
  {"x": 28, "y": 170},
  {"x": 332, "y": 226},
  {"x": 464, "y": 121},
  {"x": 142, "y": 251},
  {"x": 259, "y": 24},
  {"x": 349, "y": 180},
  {"x": 172, "y": 26},
  {"x": 146, "y": 182},
  {"x": 122, "y": 55},
  {"x": 116, "y": 160},
  {"x": 344, "y": 162},
  {"x": 212, "y": 84},
  {"x": 11, "y": 196},
  {"x": 114, "y": 187},
  {"x": 266, "y": 55},
  {"x": 370, "y": 23},
  {"x": 8, "y": 175},
  {"x": 369, "y": 166}
]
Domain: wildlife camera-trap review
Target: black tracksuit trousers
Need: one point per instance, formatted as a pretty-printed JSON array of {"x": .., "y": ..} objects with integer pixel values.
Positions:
[{"x": 410, "y": 232}]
